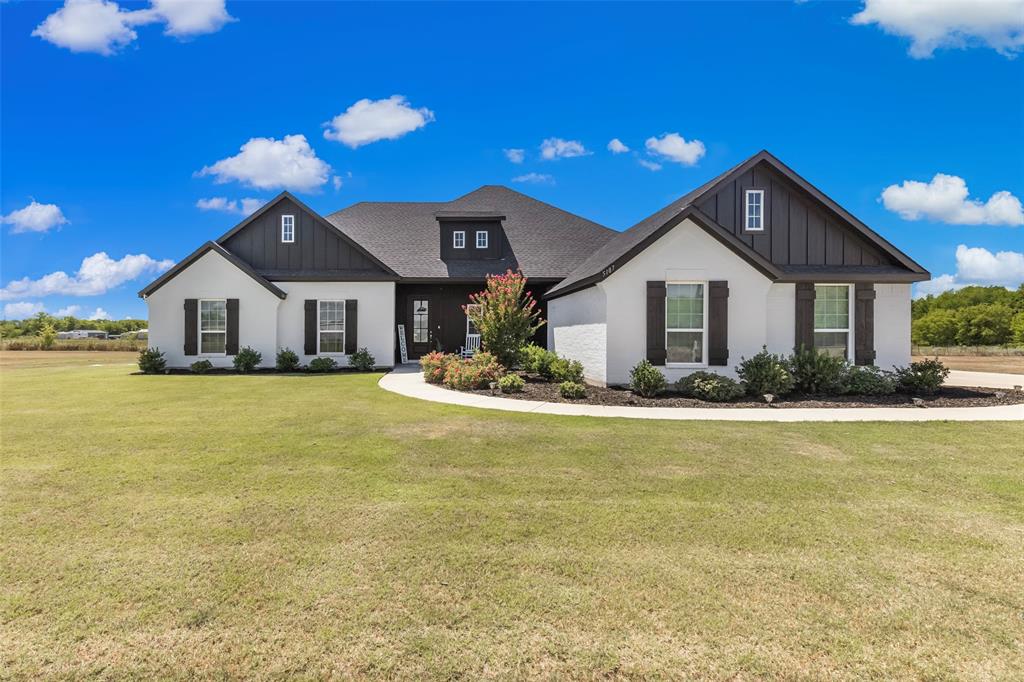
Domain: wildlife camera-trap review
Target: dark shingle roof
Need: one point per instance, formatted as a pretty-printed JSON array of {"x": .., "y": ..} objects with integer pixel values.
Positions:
[{"x": 546, "y": 242}]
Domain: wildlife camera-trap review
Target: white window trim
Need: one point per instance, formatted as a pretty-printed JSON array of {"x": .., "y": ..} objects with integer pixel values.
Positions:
[
  {"x": 200, "y": 332},
  {"x": 319, "y": 332},
  {"x": 455, "y": 239},
  {"x": 283, "y": 239},
  {"x": 481, "y": 233},
  {"x": 704, "y": 331},
  {"x": 746, "y": 210},
  {"x": 849, "y": 318},
  {"x": 468, "y": 321}
]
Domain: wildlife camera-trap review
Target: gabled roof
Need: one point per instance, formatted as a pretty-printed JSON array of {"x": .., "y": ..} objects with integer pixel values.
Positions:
[
  {"x": 196, "y": 255},
  {"x": 629, "y": 243},
  {"x": 544, "y": 241}
]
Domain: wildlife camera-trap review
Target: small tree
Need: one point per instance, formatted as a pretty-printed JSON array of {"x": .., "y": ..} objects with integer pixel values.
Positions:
[
  {"x": 47, "y": 335},
  {"x": 506, "y": 315}
]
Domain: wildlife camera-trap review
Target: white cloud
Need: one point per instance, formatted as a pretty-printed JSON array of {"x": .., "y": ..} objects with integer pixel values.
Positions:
[
  {"x": 535, "y": 178},
  {"x": 71, "y": 310},
  {"x": 934, "y": 24},
  {"x": 99, "y": 314},
  {"x": 97, "y": 274},
  {"x": 368, "y": 121},
  {"x": 615, "y": 146},
  {"x": 337, "y": 182},
  {"x": 247, "y": 206},
  {"x": 35, "y": 217},
  {"x": 266, "y": 163},
  {"x": 945, "y": 199},
  {"x": 515, "y": 155},
  {"x": 22, "y": 310},
  {"x": 101, "y": 26},
  {"x": 557, "y": 148},
  {"x": 673, "y": 147},
  {"x": 975, "y": 265},
  {"x": 649, "y": 165}
]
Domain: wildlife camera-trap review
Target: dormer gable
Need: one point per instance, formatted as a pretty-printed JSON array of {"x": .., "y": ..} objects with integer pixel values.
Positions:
[{"x": 471, "y": 235}]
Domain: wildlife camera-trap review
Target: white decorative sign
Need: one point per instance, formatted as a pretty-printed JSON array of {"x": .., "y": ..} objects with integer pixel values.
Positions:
[{"x": 402, "y": 349}]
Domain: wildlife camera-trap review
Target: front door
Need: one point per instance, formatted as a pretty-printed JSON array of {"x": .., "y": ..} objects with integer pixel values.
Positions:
[{"x": 421, "y": 324}]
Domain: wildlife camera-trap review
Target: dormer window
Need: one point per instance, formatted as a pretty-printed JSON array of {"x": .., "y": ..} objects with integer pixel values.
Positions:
[
  {"x": 459, "y": 239},
  {"x": 481, "y": 239},
  {"x": 287, "y": 229},
  {"x": 754, "y": 214}
]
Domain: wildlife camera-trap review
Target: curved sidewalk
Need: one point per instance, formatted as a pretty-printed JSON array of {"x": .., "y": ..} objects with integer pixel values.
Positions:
[{"x": 408, "y": 381}]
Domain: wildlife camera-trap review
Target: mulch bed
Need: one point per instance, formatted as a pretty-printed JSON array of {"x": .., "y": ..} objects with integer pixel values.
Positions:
[{"x": 950, "y": 396}]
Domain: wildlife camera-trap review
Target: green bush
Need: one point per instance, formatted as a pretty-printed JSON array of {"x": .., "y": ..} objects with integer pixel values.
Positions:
[
  {"x": 572, "y": 390},
  {"x": 1017, "y": 328},
  {"x": 247, "y": 360},
  {"x": 323, "y": 365},
  {"x": 709, "y": 386},
  {"x": 151, "y": 361},
  {"x": 868, "y": 380},
  {"x": 435, "y": 365},
  {"x": 921, "y": 378},
  {"x": 562, "y": 369},
  {"x": 201, "y": 366},
  {"x": 815, "y": 371},
  {"x": 287, "y": 360},
  {"x": 647, "y": 380},
  {"x": 511, "y": 383},
  {"x": 362, "y": 360},
  {"x": 936, "y": 328},
  {"x": 536, "y": 360},
  {"x": 765, "y": 373},
  {"x": 47, "y": 335}
]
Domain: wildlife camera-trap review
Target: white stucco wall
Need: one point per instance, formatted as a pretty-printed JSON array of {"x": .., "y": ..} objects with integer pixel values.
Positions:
[
  {"x": 376, "y": 309},
  {"x": 892, "y": 325},
  {"x": 212, "y": 276},
  {"x": 577, "y": 329}
]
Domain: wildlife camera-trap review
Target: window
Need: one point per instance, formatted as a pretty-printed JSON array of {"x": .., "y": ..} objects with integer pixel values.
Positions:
[
  {"x": 288, "y": 228},
  {"x": 470, "y": 325},
  {"x": 421, "y": 321},
  {"x": 459, "y": 239},
  {"x": 754, "y": 215},
  {"x": 832, "y": 318},
  {"x": 213, "y": 326},
  {"x": 481, "y": 239},
  {"x": 332, "y": 327},
  {"x": 685, "y": 313}
]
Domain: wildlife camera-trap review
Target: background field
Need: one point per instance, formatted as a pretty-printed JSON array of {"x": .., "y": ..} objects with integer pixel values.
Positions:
[{"x": 271, "y": 526}]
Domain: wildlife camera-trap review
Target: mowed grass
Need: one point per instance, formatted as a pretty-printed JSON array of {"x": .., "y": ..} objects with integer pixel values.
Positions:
[{"x": 317, "y": 526}]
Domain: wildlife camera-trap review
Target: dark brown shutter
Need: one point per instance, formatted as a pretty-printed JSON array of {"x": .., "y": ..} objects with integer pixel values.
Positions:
[
  {"x": 351, "y": 324},
  {"x": 804, "y": 316},
  {"x": 310, "y": 346},
  {"x": 718, "y": 323},
  {"x": 656, "y": 323},
  {"x": 231, "y": 343},
  {"x": 864, "y": 323},
  {"x": 191, "y": 326}
]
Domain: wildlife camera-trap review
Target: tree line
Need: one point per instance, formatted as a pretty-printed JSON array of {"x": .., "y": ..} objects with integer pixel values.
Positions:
[
  {"x": 972, "y": 316},
  {"x": 10, "y": 329}
]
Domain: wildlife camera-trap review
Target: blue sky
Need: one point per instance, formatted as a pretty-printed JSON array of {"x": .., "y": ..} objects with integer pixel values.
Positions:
[{"x": 110, "y": 114}]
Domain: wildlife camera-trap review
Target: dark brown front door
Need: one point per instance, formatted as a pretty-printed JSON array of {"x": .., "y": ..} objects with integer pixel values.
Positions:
[{"x": 421, "y": 324}]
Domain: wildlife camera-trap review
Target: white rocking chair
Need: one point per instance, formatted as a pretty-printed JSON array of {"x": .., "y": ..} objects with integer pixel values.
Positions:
[{"x": 471, "y": 347}]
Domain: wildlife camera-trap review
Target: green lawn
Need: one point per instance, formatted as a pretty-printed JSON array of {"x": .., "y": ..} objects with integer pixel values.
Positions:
[{"x": 316, "y": 526}]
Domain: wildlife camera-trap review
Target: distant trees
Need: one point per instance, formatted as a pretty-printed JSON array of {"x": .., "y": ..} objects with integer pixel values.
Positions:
[
  {"x": 972, "y": 316},
  {"x": 35, "y": 325}
]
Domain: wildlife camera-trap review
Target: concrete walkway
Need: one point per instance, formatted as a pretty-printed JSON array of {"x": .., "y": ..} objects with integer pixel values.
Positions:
[
  {"x": 408, "y": 381},
  {"x": 959, "y": 377}
]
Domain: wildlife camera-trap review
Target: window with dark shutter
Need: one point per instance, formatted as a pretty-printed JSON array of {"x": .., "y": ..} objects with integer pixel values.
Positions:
[
  {"x": 656, "y": 323},
  {"x": 804, "y": 337},
  {"x": 351, "y": 343},
  {"x": 718, "y": 323},
  {"x": 864, "y": 323},
  {"x": 310, "y": 327},
  {"x": 191, "y": 326},
  {"x": 231, "y": 345}
]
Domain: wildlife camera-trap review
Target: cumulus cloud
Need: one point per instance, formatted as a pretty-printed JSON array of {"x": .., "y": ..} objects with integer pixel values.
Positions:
[
  {"x": 673, "y": 147},
  {"x": 935, "y": 24},
  {"x": 649, "y": 165},
  {"x": 246, "y": 206},
  {"x": 515, "y": 155},
  {"x": 945, "y": 199},
  {"x": 976, "y": 265},
  {"x": 71, "y": 310},
  {"x": 99, "y": 314},
  {"x": 615, "y": 146},
  {"x": 266, "y": 163},
  {"x": 535, "y": 178},
  {"x": 22, "y": 310},
  {"x": 557, "y": 148},
  {"x": 369, "y": 121},
  {"x": 98, "y": 274},
  {"x": 101, "y": 26},
  {"x": 35, "y": 217}
]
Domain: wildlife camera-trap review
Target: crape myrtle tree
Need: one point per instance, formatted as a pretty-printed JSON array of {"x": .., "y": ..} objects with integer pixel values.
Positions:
[{"x": 506, "y": 315}]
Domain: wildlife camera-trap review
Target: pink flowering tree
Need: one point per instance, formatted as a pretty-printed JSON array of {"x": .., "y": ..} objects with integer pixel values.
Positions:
[{"x": 506, "y": 315}]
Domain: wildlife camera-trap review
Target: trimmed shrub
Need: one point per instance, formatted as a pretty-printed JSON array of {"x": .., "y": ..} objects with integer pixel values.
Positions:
[
  {"x": 572, "y": 390},
  {"x": 868, "y": 380},
  {"x": 323, "y": 365},
  {"x": 709, "y": 386},
  {"x": 562, "y": 369},
  {"x": 201, "y": 366},
  {"x": 511, "y": 383},
  {"x": 434, "y": 366},
  {"x": 362, "y": 360},
  {"x": 287, "y": 360},
  {"x": 815, "y": 371},
  {"x": 921, "y": 378},
  {"x": 537, "y": 360},
  {"x": 247, "y": 360},
  {"x": 151, "y": 361},
  {"x": 647, "y": 380},
  {"x": 765, "y": 373},
  {"x": 476, "y": 372}
]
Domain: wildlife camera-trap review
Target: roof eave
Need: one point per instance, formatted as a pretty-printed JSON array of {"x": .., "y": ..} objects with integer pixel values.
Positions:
[{"x": 186, "y": 262}]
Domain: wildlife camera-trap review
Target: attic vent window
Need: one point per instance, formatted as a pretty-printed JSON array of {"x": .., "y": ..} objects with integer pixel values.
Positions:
[
  {"x": 481, "y": 239},
  {"x": 754, "y": 215},
  {"x": 287, "y": 229},
  {"x": 459, "y": 239}
]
